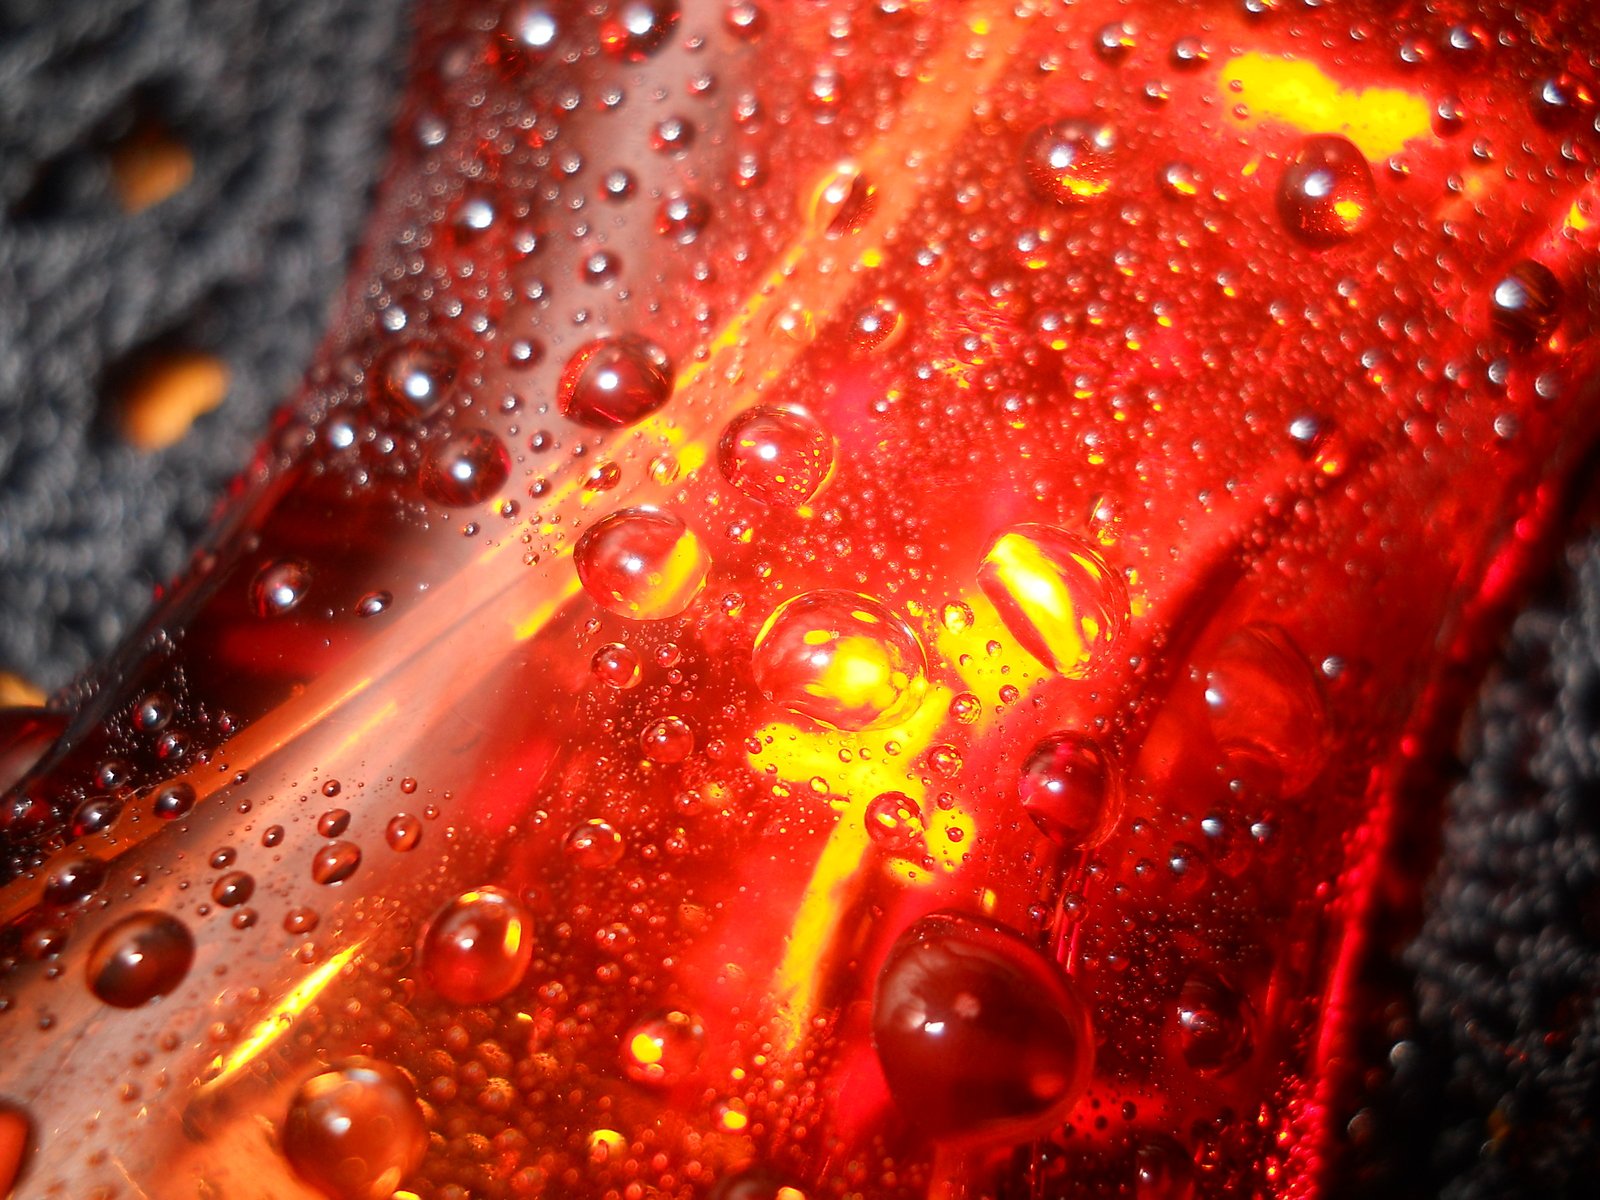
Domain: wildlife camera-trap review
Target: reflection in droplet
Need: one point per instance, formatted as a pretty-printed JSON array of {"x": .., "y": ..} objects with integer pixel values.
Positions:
[
  {"x": 466, "y": 468},
  {"x": 1071, "y": 790},
  {"x": 1214, "y": 1025},
  {"x": 1326, "y": 194},
  {"x": 478, "y": 948},
  {"x": 1056, "y": 595},
  {"x": 355, "y": 1131},
  {"x": 1265, "y": 702},
  {"x": 662, "y": 1049},
  {"x": 1070, "y": 160},
  {"x": 279, "y": 586},
  {"x": 615, "y": 381},
  {"x": 842, "y": 659},
  {"x": 139, "y": 958},
  {"x": 641, "y": 563},
  {"x": 780, "y": 456}
]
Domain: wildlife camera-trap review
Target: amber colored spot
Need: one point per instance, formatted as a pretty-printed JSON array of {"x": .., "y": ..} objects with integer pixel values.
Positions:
[
  {"x": 149, "y": 166},
  {"x": 166, "y": 396}
]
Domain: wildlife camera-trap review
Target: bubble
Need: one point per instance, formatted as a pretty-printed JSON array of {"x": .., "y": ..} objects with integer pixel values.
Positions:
[
  {"x": 73, "y": 881},
  {"x": 233, "y": 889},
  {"x": 636, "y": 29},
  {"x": 141, "y": 957},
  {"x": 355, "y": 1130},
  {"x": 594, "y": 845},
  {"x": 663, "y": 1049},
  {"x": 1326, "y": 194},
  {"x": 1056, "y": 595},
  {"x": 403, "y": 832},
  {"x": 641, "y": 563},
  {"x": 669, "y": 740},
  {"x": 478, "y": 948},
  {"x": 683, "y": 217},
  {"x": 279, "y": 586},
  {"x": 172, "y": 801},
  {"x": 894, "y": 823},
  {"x": 1213, "y": 1024},
  {"x": 615, "y": 381},
  {"x": 842, "y": 659},
  {"x": 1525, "y": 305},
  {"x": 466, "y": 468},
  {"x": 981, "y": 1038},
  {"x": 1265, "y": 702},
  {"x": 335, "y": 862},
  {"x": 779, "y": 456},
  {"x": 95, "y": 815},
  {"x": 1071, "y": 791},
  {"x": 418, "y": 377},
  {"x": 153, "y": 712},
  {"x": 616, "y": 666},
  {"x": 1070, "y": 160}
]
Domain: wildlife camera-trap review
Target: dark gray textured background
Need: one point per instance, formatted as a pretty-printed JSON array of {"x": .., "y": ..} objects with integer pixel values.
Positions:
[{"x": 1492, "y": 1085}]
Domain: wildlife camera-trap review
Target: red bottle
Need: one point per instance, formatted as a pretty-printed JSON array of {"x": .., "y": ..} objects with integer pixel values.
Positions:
[{"x": 844, "y": 613}]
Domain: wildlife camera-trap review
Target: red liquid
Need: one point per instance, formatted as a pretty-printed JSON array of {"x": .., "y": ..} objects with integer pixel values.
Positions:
[{"x": 780, "y": 474}]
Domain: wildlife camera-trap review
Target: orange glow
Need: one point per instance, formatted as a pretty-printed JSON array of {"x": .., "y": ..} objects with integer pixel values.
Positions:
[
  {"x": 1379, "y": 120},
  {"x": 281, "y": 1019}
]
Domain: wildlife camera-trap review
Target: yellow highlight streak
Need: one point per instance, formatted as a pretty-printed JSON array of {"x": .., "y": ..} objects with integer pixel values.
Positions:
[
  {"x": 1379, "y": 120},
  {"x": 279, "y": 1021}
]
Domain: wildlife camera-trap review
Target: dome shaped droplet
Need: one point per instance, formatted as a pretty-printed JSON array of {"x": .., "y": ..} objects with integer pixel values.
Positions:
[
  {"x": 1213, "y": 1025},
  {"x": 615, "y": 665},
  {"x": 418, "y": 377},
  {"x": 335, "y": 862},
  {"x": 669, "y": 740},
  {"x": 1056, "y": 595},
  {"x": 663, "y": 1049},
  {"x": 1071, "y": 790},
  {"x": 842, "y": 659},
  {"x": 636, "y": 29},
  {"x": 142, "y": 956},
  {"x": 894, "y": 823},
  {"x": 779, "y": 456},
  {"x": 1326, "y": 193},
  {"x": 1070, "y": 161},
  {"x": 466, "y": 468},
  {"x": 594, "y": 845},
  {"x": 1265, "y": 702},
  {"x": 616, "y": 381},
  {"x": 980, "y": 1036},
  {"x": 478, "y": 948},
  {"x": 355, "y": 1131},
  {"x": 641, "y": 563},
  {"x": 280, "y": 585},
  {"x": 1525, "y": 306}
]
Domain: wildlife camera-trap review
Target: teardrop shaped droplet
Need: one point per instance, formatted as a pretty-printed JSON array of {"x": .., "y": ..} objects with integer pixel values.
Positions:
[
  {"x": 842, "y": 659},
  {"x": 641, "y": 563},
  {"x": 1056, "y": 595},
  {"x": 981, "y": 1037},
  {"x": 616, "y": 381}
]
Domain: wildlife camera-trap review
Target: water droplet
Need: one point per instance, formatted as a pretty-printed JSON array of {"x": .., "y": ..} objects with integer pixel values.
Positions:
[
  {"x": 139, "y": 958},
  {"x": 894, "y": 823},
  {"x": 594, "y": 845},
  {"x": 335, "y": 862},
  {"x": 780, "y": 456},
  {"x": 153, "y": 712},
  {"x": 758, "y": 1183},
  {"x": 73, "y": 881},
  {"x": 1265, "y": 702},
  {"x": 745, "y": 20},
  {"x": 355, "y": 1131},
  {"x": 279, "y": 586},
  {"x": 669, "y": 740},
  {"x": 842, "y": 659},
  {"x": 1326, "y": 194},
  {"x": 1070, "y": 160},
  {"x": 663, "y": 1049},
  {"x": 980, "y": 1036},
  {"x": 403, "y": 832},
  {"x": 636, "y": 29},
  {"x": 965, "y": 708},
  {"x": 1071, "y": 791},
  {"x": 335, "y": 821},
  {"x": 233, "y": 889},
  {"x": 374, "y": 603},
  {"x": 419, "y": 377},
  {"x": 641, "y": 563},
  {"x": 615, "y": 381},
  {"x": 94, "y": 815},
  {"x": 531, "y": 27},
  {"x": 683, "y": 217},
  {"x": 1525, "y": 306},
  {"x": 1214, "y": 1025},
  {"x": 466, "y": 468},
  {"x": 1056, "y": 595},
  {"x": 1162, "y": 1171},
  {"x": 615, "y": 665},
  {"x": 843, "y": 201},
  {"x": 173, "y": 801},
  {"x": 478, "y": 948}
]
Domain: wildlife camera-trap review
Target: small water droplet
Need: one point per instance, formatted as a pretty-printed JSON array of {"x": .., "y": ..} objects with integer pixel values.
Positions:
[
  {"x": 780, "y": 456},
  {"x": 335, "y": 862},
  {"x": 478, "y": 948},
  {"x": 615, "y": 665},
  {"x": 1071, "y": 790},
  {"x": 403, "y": 832},
  {"x": 1265, "y": 702},
  {"x": 279, "y": 586},
  {"x": 466, "y": 468},
  {"x": 663, "y": 1049},
  {"x": 894, "y": 823},
  {"x": 1214, "y": 1025},
  {"x": 1525, "y": 305},
  {"x": 668, "y": 740},
  {"x": 1071, "y": 160},
  {"x": 374, "y": 603},
  {"x": 73, "y": 881},
  {"x": 141, "y": 957},
  {"x": 419, "y": 377},
  {"x": 636, "y": 29},
  {"x": 172, "y": 801},
  {"x": 683, "y": 217},
  {"x": 233, "y": 889},
  {"x": 641, "y": 563}
]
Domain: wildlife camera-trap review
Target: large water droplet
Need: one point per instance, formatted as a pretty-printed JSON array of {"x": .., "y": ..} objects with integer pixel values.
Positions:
[
  {"x": 142, "y": 956},
  {"x": 1326, "y": 194},
  {"x": 616, "y": 381},
  {"x": 418, "y": 376},
  {"x": 478, "y": 948},
  {"x": 279, "y": 586},
  {"x": 980, "y": 1036},
  {"x": 1070, "y": 160},
  {"x": 1525, "y": 306},
  {"x": 842, "y": 659},
  {"x": 466, "y": 468},
  {"x": 1071, "y": 790},
  {"x": 780, "y": 456},
  {"x": 1214, "y": 1025},
  {"x": 355, "y": 1131},
  {"x": 641, "y": 563},
  {"x": 14, "y": 1142},
  {"x": 894, "y": 823},
  {"x": 1265, "y": 703},
  {"x": 636, "y": 29},
  {"x": 1056, "y": 595},
  {"x": 662, "y": 1049}
]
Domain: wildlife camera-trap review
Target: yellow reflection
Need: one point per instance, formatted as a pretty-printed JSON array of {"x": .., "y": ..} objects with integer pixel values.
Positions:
[
  {"x": 1039, "y": 590},
  {"x": 277, "y": 1023},
  {"x": 1379, "y": 120}
]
